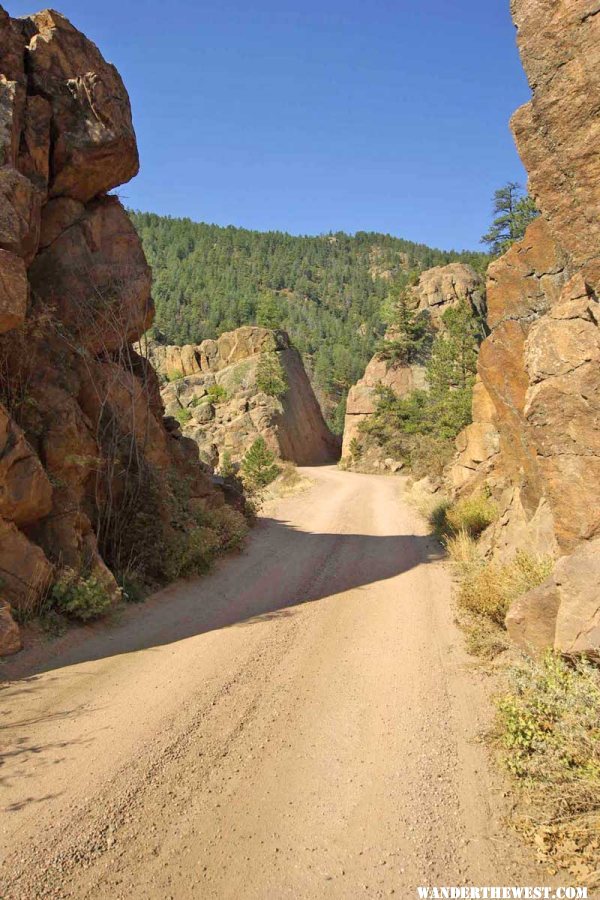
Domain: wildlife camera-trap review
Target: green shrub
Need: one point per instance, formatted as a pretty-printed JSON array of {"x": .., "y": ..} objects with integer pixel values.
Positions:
[
  {"x": 356, "y": 449},
  {"x": 270, "y": 376},
  {"x": 190, "y": 552},
  {"x": 231, "y": 526},
  {"x": 176, "y": 375},
  {"x": 80, "y": 597},
  {"x": 216, "y": 394},
  {"x": 258, "y": 466},
  {"x": 183, "y": 415},
  {"x": 471, "y": 514},
  {"x": 549, "y": 733}
]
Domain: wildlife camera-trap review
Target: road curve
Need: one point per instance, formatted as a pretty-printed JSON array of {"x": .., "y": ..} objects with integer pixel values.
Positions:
[{"x": 302, "y": 723}]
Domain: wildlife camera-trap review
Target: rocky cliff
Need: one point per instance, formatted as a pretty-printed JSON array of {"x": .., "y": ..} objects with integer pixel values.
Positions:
[
  {"x": 86, "y": 462},
  {"x": 216, "y": 391},
  {"x": 437, "y": 290},
  {"x": 539, "y": 368}
]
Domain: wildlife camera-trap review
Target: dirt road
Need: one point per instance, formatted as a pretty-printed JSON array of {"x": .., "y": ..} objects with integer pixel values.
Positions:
[{"x": 302, "y": 723}]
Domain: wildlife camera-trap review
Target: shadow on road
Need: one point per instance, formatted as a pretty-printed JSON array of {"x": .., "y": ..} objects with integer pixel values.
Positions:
[{"x": 282, "y": 568}]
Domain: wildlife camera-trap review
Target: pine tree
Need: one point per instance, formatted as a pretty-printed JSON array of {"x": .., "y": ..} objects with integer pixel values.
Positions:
[
  {"x": 268, "y": 313},
  {"x": 258, "y": 466},
  {"x": 513, "y": 212},
  {"x": 270, "y": 376},
  {"x": 451, "y": 372},
  {"x": 411, "y": 335}
]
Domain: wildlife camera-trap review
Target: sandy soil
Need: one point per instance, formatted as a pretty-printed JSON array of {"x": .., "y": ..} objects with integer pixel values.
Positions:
[{"x": 302, "y": 723}]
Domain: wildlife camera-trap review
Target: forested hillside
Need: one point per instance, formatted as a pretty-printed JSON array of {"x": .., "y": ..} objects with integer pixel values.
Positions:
[{"x": 331, "y": 293}]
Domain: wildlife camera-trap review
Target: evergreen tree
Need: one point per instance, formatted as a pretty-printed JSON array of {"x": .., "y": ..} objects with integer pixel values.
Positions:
[
  {"x": 513, "y": 211},
  {"x": 410, "y": 335},
  {"x": 270, "y": 376},
  {"x": 268, "y": 312},
  {"x": 258, "y": 466},
  {"x": 324, "y": 291},
  {"x": 451, "y": 371}
]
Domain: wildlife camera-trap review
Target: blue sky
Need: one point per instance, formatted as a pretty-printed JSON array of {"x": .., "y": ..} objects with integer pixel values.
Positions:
[{"x": 317, "y": 115}]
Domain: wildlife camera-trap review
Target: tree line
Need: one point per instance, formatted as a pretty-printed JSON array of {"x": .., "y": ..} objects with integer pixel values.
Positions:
[{"x": 330, "y": 292}]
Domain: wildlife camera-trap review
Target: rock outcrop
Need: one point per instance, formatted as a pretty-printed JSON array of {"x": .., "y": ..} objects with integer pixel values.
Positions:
[
  {"x": 540, "y": 365},
  {"x": 443, "y": 287},
  {"x": 212, "y": 390},
  {"x": 563, "y": 613},
  {"x": 437, "y": 290},
  {"x": 362, "y": 397},
  {"x": 86, "y": 460}
]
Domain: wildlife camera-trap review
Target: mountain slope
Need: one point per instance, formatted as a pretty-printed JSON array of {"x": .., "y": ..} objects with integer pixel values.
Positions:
[{"x": 327, "y": 292}]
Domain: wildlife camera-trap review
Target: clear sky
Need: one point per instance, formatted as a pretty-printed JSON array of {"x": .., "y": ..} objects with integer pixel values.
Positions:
[{"x": 317, "y": 115}]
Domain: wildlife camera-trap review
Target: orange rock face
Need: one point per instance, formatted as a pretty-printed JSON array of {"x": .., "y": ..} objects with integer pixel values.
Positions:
[
  {"x": 103, "y": 295},
  {"x": 85, "y": 457},
  {"x": 540, "y": 366},
  {"x": 557, "y": 132},
  {"x": 95, "y": 147}
]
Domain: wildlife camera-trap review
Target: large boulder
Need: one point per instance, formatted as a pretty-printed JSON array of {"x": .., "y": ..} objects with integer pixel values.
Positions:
[
  {"x": 557, "y": 131},
  {"x": 94, "y": 148},
  {"x": 292, "y": 425},
  {"x": 540, "y": 365},
  {"x": 91, "y": 469},
  {"x": 96, "y": 277},
  {"x": 25, "y": 490},
  {"x": 564, "y": 612},
  {"x": 444, "y": 287},
  {"x": 26, "y": 572}
]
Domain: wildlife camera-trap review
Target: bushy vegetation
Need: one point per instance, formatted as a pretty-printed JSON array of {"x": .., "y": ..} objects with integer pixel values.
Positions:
[
  {"x": 271, "y": 377},
  {"x": 513, "y": 210},
  {"x": 329, "y": 292},
  {"x": 183, "y": 415},
  {"x": 192, "y": 551},
  {"x": 469, "y": 515},
  {"x": 216, "y": 394},
  {"x": 79, "y": 597},
  {"x": 421, "y": 427},
  {"x": 488, "y": 588},
  {"x": 548, "y": 731},
  {"x": 259, "y": 467}
]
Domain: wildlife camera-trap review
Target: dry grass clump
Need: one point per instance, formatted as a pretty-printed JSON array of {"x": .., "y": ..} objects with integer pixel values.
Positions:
[
  {"x": 289, "y": 482},
  {"x": 548, "y": 732},
  {"x": 471, "y": 514},
  {"x": 487, "y": 588}
]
